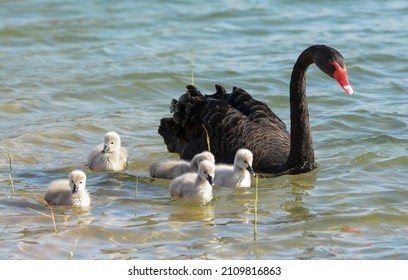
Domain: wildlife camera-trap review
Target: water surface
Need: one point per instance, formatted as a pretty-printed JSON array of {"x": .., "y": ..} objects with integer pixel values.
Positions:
[{"x": 69, "y": 73}]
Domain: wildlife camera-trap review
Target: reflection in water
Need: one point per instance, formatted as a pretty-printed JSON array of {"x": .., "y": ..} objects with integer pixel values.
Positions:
[
  {"x": 299, "y": 187},
  {"x": 188, "y": 212},
  {"x": 63, "y": 218},
  {"x": 302, "y": 182}
]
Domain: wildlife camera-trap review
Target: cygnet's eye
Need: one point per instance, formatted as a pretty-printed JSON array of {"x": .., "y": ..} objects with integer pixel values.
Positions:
[
  {"x": 72, "y": 181},
  {"x": 205, "y": 172},
  {"x": 112, "y": 143},
  {"x": 80, "y": 182}
]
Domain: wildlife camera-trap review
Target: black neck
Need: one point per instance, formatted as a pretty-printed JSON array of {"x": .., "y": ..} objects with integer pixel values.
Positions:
[{"x": 301, "y": 145}]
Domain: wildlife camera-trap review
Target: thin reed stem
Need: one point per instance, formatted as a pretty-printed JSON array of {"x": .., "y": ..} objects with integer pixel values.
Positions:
[
  {"x": 136, "y": 187},
  {"x": 52, "y": 217},
  {"x": 208, "y": 138},
  {"x": 11, "y": 175},
  {"x": 256, "y": 208},
  {"x": 11, "y": 181},
  {"x": 48, "y": 216},
  {"x": 71, "y": 253}
]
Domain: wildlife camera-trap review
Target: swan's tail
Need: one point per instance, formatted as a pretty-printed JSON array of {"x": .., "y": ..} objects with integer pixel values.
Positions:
[
  {"x": 184, "y": 133},
  {"x": 166, "y": 131}
]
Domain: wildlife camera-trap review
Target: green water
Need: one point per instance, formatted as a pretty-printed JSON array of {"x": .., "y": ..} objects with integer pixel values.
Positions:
[{"x": 70, "y": 72}]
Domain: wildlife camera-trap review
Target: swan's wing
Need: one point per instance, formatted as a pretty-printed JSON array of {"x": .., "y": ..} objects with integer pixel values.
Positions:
[
  {"x": 123, "y": 157},
  {"x": 94, "y": 156},
  {"x": 169, "y": 169},
  {"x": 232, "y": 121},
  {"x": 255, "y": 110}
]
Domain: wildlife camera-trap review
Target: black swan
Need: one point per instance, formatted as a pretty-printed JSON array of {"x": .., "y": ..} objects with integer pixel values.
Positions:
[{"x": 236, "y": 120}]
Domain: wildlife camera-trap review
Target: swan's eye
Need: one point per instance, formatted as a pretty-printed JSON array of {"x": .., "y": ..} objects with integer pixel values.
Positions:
[
  {"x": 112, "y": 143},
  {"x": 80, "y": 182},
  {"x": 331, "y": 61},
  {"x": 205, "y": 172}
]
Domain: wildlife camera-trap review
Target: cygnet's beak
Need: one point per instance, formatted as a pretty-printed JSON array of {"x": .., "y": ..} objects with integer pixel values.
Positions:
[
  {"x": 75, "y": 188},
  {"x": 105, "y": 149},
  {"x": 251, "y": 170},
  {"x": 210, "y": 180}
]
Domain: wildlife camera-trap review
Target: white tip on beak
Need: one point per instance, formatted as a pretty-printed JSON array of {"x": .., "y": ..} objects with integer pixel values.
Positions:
[{"x": 348, "y": 89}]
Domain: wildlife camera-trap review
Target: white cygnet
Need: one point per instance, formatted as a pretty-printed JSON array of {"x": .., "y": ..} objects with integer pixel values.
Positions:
[
  {"x": 109, "y": 156},
  {"x": 196, "y": 187},
  {"x": 237, "y": 175},
  {"x": 70, "y": 192},
  {"x": 170, "y": 169}
]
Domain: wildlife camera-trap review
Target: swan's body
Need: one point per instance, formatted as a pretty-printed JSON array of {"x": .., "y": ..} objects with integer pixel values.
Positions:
[
  {"x": 196, "y": 187},
  {"x": 170, "y": 169},
  {"x": 237, "y": 120},
  {"x": 109, "y": 156},
  {"x": 70, "y": 192},
  {"x": 237, "y": 175}
]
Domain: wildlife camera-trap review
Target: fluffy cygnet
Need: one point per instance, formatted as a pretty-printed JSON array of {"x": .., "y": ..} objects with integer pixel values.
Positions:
[
  {"x": 70, "y": 192},
  {"x": 109, "y": 156},
  {"x": 170, "y": 169},
  {"x": 195, "y": 187},
  {"x": 237, "y": 175}
]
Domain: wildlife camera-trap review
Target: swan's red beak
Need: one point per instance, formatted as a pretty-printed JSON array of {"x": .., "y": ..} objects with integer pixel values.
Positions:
[{"x": 341, "y": 77}]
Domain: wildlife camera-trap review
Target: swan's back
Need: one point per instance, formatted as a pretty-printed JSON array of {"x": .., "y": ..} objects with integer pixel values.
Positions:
[
  {"x": 225, "y": 116},
  {"x": 170, "y": 169},
  {"x": 183, "y": 186},
  {"x": 95, "y": 159},
  {"x": 59, "y": 193},
  {"x": 198, "y": 158}
]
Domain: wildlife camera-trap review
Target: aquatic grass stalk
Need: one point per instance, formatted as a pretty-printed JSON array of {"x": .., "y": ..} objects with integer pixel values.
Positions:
[
  {"x": 136, "y": 186},
  {"x": 11, "y": 175},
  {"x": 256, "y": 208},
  {"x": 207, "y": 138},
  {"x": 11, "y": 182},
  {"x": 52, "y": 217},
  {"x": 71, "y": 253}
]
